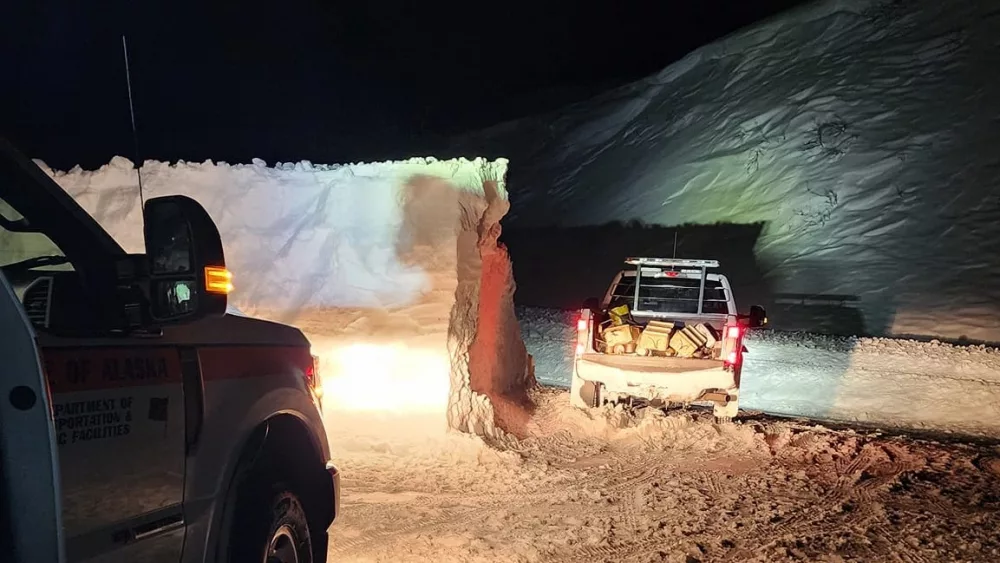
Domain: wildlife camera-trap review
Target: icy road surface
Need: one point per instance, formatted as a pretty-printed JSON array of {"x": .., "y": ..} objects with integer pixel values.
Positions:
[
  {"x": 611, "y": 486},
  {"x": 899, "y": 383}
]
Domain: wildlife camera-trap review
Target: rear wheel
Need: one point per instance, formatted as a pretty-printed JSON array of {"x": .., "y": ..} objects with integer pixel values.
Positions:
[{"x": 270, "y": 525}]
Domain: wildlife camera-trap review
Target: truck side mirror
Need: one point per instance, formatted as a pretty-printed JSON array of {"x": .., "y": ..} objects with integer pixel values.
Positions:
[
  {"x": 591, "y": 303},
  {"x": 758, "y": 316},
  {"x": 187, "y": 267}
]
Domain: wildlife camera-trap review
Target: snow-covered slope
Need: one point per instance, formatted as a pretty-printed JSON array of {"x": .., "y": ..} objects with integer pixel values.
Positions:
[{"x": 863, "y": 134}]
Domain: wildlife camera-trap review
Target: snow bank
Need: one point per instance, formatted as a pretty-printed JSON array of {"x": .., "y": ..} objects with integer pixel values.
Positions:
[
  {"x": 393, "y": 270},
  {"x": 861, "y": 133},
  {"x": 881, "y": 381},
  {"x": 902, "y": 383}
]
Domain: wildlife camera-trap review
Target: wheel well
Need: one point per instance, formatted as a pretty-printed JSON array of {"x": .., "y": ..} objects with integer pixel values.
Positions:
[{"x": 290, "y": 451}]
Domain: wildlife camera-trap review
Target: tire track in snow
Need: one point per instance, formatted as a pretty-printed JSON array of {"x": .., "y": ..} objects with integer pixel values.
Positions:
[{"x": 850, "y": 485}]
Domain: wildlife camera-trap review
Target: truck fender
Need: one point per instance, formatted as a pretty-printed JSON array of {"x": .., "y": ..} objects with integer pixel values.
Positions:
[{"x": 219, "y": 487}]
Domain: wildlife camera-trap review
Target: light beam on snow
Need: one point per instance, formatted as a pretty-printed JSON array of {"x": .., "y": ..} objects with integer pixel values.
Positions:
[{"x": 388, "y": 377}]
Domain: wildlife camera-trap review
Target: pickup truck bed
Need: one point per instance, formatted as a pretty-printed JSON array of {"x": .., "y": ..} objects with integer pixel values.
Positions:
[{"x": 692, "y": 355}]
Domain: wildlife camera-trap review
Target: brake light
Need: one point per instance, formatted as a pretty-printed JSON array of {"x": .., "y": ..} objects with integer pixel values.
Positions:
[
  {"x": 670, "y": 274},
  {"x": 582, "y": 332},
  {"x": 732, "y": 346}
]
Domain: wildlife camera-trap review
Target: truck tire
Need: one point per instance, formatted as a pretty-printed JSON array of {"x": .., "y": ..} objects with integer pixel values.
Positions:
[{"x": 270, "y": 525}]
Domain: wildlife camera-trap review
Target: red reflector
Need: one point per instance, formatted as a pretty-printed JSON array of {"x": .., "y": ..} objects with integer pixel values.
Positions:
[
  {"x": 670, "y": 274},
  {"x": 581, "y": 325},
  {"x": 311, "y": 371},
  {"x": 734, "y": 332},
  {"x": 732, "y": 357}
]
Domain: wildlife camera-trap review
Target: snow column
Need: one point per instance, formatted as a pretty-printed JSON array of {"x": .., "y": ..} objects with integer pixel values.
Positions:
[
  {"x": 453, "y": 231},
  {"x": 491, "y": 369}
]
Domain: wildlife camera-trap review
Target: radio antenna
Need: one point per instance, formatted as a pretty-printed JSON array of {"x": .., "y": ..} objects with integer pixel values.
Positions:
[
  {"x": 675, "y": 244},
  {"x": 135, "y": 134}
]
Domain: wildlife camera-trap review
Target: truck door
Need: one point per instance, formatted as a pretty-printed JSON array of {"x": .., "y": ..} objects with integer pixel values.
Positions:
[
  {"x": 119, "y": 422},
  {"x": 117, "y": 400},
  {"x": 30, "y": 516}
]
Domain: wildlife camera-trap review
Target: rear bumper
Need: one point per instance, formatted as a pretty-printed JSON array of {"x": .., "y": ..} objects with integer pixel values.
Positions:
[{"x": 687, "y": 385}]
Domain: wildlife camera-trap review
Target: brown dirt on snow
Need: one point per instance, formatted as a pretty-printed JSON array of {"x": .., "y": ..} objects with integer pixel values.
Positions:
[{"x": 613, "y": 485}]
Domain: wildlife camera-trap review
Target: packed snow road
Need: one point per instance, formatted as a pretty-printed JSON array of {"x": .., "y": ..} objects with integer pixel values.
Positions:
[
  {"x": 618, "y": 486},
  {"x": 881, "y": 381}
]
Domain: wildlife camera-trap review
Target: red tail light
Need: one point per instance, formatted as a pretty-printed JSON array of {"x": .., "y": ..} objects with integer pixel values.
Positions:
[
  {"x": 313, "y": 378},
  {"x": 582, "y": 333},
  {"x": 732, "y": 345}
]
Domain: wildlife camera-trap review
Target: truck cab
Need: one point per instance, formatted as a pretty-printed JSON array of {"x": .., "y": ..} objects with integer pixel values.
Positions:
[
  {"x": 183, "y": 432},
  {"x": 667, "y": 331}
]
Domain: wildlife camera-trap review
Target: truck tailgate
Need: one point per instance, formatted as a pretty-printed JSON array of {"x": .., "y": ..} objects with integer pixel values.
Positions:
[
  {"x": 651, "y": 364},
  {"x": 672, "y": 379}
]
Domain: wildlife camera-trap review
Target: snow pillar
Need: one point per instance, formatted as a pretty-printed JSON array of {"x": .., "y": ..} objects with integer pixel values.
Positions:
[{"x": 490, "y": 369}]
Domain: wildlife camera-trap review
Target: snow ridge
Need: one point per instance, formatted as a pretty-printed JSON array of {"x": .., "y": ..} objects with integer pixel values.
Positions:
[{"x": 860, "y": 133}]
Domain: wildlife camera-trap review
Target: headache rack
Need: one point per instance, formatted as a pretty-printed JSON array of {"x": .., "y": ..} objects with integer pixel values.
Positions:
[{"x": 687, "y": 265}]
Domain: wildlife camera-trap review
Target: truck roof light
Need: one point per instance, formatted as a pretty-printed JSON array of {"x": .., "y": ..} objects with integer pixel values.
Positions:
[
  {"x": 218, "y": 280},
  {"x": 689, "y": 262}
]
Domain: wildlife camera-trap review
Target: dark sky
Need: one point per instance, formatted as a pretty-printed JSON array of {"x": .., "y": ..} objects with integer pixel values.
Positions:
[{"x": 324, "y": 81}]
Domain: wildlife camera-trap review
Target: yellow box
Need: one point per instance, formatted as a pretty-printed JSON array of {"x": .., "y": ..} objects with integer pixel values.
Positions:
[
  {"x": 620, "y": 337},
  {"x": 618, "y": 315},
  {"x": 686, "y": 341},
  {"x": 655, "y": 338}
]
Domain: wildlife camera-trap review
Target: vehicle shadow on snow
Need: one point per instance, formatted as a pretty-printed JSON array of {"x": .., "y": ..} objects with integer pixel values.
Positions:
[
  {"x": 792, "y": 371},
  {"x": 560, "y": 267}
]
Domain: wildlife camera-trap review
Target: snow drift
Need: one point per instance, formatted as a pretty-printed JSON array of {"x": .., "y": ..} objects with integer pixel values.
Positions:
[
  {"x": 862, "y": 134},
  {"x": 393, "y": 270}
]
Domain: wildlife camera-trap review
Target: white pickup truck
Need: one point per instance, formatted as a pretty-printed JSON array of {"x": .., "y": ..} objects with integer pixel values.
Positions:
[{"x": 674, "y": 295}]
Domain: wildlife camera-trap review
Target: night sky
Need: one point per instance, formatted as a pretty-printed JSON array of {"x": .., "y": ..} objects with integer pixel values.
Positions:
[{"x": 324, "y": 81}]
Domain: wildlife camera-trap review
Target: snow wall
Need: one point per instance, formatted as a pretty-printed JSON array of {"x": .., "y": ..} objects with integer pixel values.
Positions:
[
  {"x": 392, "y": 269},
  {"x": 848, "y": 145}
]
